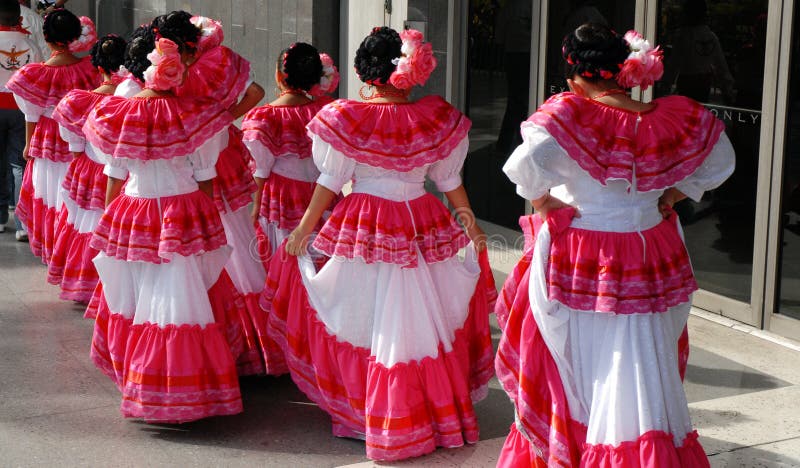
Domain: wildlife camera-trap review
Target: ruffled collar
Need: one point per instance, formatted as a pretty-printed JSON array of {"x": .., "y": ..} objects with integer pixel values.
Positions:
[
  {"x": 398, "y": 137},
  {"x": 153, "y": 128},
  {"x": 45, "y": 85},
  {"x": 72, "y": 111},
  {"x": 219, "y": 74},
  {"x": 658, "y": 148},
  {"x": 282, "y": 129}
]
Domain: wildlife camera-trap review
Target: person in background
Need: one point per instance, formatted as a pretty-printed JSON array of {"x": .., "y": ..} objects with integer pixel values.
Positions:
[
  {"x": 33, "y": 23},
  {"x": 37, "y": 88},
  {"x": 17, "y": 49},
  {"x": 45, "y": 7}
]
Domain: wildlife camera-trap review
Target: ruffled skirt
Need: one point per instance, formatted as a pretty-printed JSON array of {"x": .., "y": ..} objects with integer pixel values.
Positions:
[
  {"x": 167, "y": 332},
  {"x": 40, "y": 200},
  {"x": 71, "y": 265},
  {"x": 260, "y": 354},
  {"x": 592, "y": 388},
  {"x": 234, "y": 184},
  {"x": 395, "y": 355}
]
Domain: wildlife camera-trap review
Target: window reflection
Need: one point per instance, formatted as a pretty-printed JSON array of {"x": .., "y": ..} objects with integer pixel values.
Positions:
[
  {"x": 789, "y": 285},
  {"x": 498, "y": 83},
  {"x": 714, "y": 53}
]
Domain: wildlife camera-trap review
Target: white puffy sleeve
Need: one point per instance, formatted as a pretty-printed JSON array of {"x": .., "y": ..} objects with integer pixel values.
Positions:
[
  {"x": 716, "y": 168},
  {"x": 32, "y": 111},
  {"x": 446, "y": 174},
  {"x": 263, "y": 158},
  {"x": 77, "y": 143},
  {"x": 204, "y": 159},
  {"x": 538, "y": 164},
  {"x": 116, "y": 168},
  {"x": 336, "y": 169}
]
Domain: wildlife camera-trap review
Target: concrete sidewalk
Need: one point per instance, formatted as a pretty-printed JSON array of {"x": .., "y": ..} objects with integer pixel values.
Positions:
[{"x": 57, "y": 409}]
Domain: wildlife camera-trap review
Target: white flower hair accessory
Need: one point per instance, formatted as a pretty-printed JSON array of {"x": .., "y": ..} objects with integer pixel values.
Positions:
[
  {"x": 644, "y": 66},
  {"x": 211, "y": 33},
  {"x": 87, "y": 39},
  {"x": 330, "y": 77}
]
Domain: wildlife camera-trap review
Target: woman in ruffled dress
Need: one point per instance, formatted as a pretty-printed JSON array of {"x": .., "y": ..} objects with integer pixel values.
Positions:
[
  {"x": 71, "y": 265},
  {"x": 593, "y": 313},
  {"x": 37, "y": 88},
  {"x": 284, "y": 170},
  {"x": 218, "y": 73},
  {"x": 276, "y": 136},
  {"x": 160, "y": 334},
  {"x": 391, "y": 336}
]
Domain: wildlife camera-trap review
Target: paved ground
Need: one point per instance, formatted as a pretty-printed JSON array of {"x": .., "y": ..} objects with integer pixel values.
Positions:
[{"x": 56, "y": 408}]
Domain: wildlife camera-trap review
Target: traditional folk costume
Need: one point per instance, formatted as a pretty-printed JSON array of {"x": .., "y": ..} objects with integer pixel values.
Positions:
[
  {"x": 593, "y": 312},
  {"x": 162, "y": 314},
  {"x": 84, "y": 199},
  {"x": 223, "y": 76},
  {"x": 391, "y": 336},
  {"x": 37, "y": 89},
  {"x": 277, "y": 139}
]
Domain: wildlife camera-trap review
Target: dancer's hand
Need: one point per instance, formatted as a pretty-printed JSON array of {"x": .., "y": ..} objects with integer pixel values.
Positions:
[
  {"x": 548, "y": 203},
  {"x": 26, "y": 153},
  {"x": 477, "y": 236},
  {"x": 296, "y": 242},
  {"x": 668, "y": 199}
]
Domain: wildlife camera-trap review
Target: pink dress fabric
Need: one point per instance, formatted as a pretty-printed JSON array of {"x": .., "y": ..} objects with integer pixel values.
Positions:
[
  {"x": 167, "y": 329},
  {"x": 71, "y": 266},
  {"x": 37, "y": 89},
  {"x": 614, "y": 283},
  {"x": 222, "y": 75},
  {"x": 395, "y": 349}
]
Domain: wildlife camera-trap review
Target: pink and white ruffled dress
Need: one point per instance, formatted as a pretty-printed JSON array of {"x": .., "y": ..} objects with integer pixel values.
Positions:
[
  {"x": 391, "y": 336},
  {"x": 222, "y": 75},
  {"x": 163, "y": 331},
  {"x": 281, "y": 148},
  {"x": 84, "y": 196},
  {"x": 593, "y": 313},
  {"x": 37, "y": 90}
]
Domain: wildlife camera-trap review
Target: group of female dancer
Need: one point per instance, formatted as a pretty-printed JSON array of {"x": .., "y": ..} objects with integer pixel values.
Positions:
[{"x": 138, "y": 199}]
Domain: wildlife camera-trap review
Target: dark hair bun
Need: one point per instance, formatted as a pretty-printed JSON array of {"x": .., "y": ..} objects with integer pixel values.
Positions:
[
  {"x": 109, "y": 53},
  {"x": 375, "y": 54},
  {"x": 177, "y": 27},
  {"x": 594, "y": 52},
  {"x": 142, "y": 42},
  {"x": 301, "y": 66},
  {"x": 61, "y": 27}
]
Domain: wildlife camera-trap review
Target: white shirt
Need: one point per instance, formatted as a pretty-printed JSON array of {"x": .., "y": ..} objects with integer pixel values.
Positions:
[
  {"x": 16, "y": 50},
  {"x": 35, "y": 25}
]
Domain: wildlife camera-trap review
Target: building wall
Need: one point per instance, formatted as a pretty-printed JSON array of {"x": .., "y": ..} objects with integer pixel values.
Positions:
[{"x": 257, "y": 29}]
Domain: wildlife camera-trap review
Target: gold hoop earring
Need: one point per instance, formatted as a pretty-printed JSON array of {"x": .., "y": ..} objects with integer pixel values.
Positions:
[{"x": 363, "y": 95}]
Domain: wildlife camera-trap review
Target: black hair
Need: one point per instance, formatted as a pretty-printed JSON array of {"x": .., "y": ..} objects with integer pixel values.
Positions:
[
  {"x": 374, "y": 56},
  {"x": 109, "y": 53},
  {"x": 301, "y": 65},
  {"x": 177, "y": 27},
  {"x": 141, "y": 43},
  {"x": 695, "y": 12},
  {"x": 9, "y": 12},
  {"x": 61, "y": 27},
  {"x": 594, "y": 52}
]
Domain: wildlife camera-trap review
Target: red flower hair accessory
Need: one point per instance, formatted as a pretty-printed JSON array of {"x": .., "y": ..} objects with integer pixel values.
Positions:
[
  {"x": 330, "y": 77},
  {"x": 166, "y": 68},
  {"x": 88, "y": 36},
  {"x": 644, "y": 66},
  {"x": 416, "y": 63}
]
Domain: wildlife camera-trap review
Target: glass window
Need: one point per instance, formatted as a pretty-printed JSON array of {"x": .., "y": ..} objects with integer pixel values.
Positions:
[
  {"x": 789, "y": 280},
  {"x": 714, "y": 53},
  {"x": 498, "y": 82}
]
